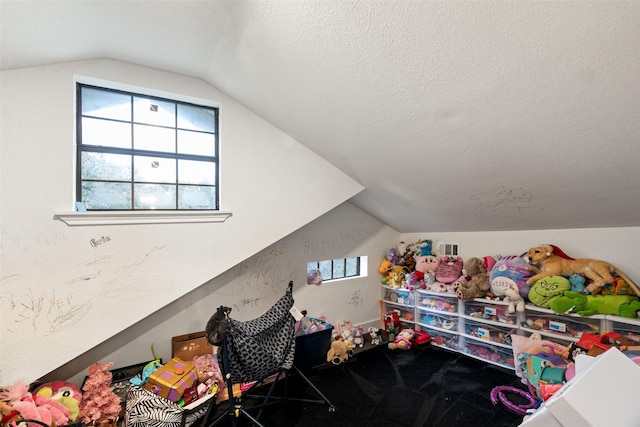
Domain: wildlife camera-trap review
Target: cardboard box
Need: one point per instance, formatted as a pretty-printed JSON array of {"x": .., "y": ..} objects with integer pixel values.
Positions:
[
  {"x": 172, "y": 379},
  {"x": 188, "y": 346}
]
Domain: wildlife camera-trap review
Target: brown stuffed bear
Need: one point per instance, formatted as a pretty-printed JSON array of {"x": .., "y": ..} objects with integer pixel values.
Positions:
[
  {"x": 339, "y": 351},
  {"x": 477, "y": 284}
]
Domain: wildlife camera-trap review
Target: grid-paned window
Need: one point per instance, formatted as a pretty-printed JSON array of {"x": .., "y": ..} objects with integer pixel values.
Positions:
[
  {"x": 139, "y": 152},
  {"x": 339, "y": 268}
]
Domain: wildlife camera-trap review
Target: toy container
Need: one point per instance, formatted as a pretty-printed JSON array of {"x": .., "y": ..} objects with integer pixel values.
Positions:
[
  {"x": 443, "y": 339},
  {"x": 568, "y": 327},
  {"x": 437, "y": 320},
  {"x": 311, "y": 349},
  {"x": 172, "y": 379},
  {"x": 495, "y": 311},
  {"x": 400, "y": 296},
  {"x": 489, "y": 353},
  {"x": 437, "y": 301},
  {"x": 494, "y": 333}
]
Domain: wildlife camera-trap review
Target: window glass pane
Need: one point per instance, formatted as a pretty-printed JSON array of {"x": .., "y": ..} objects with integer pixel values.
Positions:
[
  {"x": 154, "y": 112},
  {"x": 154, "y": 138},
  {"x": 325, "y": 269},
  {"x": 196, "y": 118},
  {"x": 104, "y": 166},
  {"x": 196, "y": 197},
  {"x": 203, "y": 144},
  {"x": 352, "y": 267},
  {"x": 338, "y": 268},
  {"x": 194, "y": 172},
  {"x": 154, "y": 169},
  {"x": 106, "y": 195},
  {"x": 106, "y": 104},
  {"x": 106, "y": 133},
  {"x": 154, "y": 196}
]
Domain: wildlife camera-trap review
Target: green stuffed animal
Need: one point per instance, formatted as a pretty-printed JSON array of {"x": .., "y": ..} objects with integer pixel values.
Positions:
[
  {"x": 545, "y": 290},
  {"x": 586, "y": 305}
]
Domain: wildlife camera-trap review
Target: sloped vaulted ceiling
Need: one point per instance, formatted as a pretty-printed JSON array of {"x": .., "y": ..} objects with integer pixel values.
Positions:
[{"x": 453, "y": 115}]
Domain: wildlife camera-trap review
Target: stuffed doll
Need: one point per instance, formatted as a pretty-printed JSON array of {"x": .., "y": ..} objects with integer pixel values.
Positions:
[
  {"x": 587, "y": 305},
  {"x": 402, "y": 340},
  {"x": 426, "y": 264},
  {"x": 508, "y": 279},
  {"x": 476, "y": 284}
]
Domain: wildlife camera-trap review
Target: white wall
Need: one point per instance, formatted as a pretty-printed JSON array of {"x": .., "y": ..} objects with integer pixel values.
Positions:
[
  {"x": 252, "y": 286},
  {"x": 60, "y": 296},
  {"x": 618, "y": 246}
]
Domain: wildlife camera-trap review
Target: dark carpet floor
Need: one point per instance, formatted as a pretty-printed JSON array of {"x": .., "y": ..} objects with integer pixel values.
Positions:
[{"x": 420, "y": 387}]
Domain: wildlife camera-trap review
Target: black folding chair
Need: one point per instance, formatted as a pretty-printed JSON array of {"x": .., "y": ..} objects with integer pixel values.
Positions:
[{"x": 257, "y": 351}]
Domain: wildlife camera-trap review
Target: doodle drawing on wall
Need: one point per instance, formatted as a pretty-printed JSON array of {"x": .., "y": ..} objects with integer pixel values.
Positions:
[{"x": 504, "y": 202}]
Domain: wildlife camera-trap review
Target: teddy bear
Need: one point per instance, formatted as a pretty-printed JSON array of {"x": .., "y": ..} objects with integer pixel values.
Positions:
[
  {"x": 402, "y": 340},
  {"x": 339, "y": 351},
  {"x": 476, "y": 283}
]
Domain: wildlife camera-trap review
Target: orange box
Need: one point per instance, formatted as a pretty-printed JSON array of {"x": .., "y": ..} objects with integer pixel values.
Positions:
[{"x": 172, "y": 379}]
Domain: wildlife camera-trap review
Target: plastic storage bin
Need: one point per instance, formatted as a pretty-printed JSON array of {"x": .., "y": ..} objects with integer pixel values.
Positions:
[
  {"x": 443, "y": 339},
  {"x": 569, "y": 327},
  {"x": 488, "y": 353},
  {"x": 495, "y": 311},
  {"x": 441, "y": 302},
  {"x": 400, "y": 296},
  {"x": 489, "y": 332},
  {"x": 445, "y": 321}
]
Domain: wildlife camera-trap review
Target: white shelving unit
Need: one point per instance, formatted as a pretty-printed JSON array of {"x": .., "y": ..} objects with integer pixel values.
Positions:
[{"x": 481, "y": 328}]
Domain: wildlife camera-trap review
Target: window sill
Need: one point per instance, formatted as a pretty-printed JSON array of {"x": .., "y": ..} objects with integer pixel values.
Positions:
[{"x": 140, "y": 217}]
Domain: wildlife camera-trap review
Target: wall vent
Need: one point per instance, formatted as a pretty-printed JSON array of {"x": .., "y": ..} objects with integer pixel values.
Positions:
[{"x": 448, "y": 249}]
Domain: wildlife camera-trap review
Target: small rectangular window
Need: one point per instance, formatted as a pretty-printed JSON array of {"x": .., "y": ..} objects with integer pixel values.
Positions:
[
  {"x": 332, "y": 269},
  {"x": 139, "y": 152}
]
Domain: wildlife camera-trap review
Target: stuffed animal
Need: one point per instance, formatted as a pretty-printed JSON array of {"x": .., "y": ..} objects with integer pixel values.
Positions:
[
  {"x": 426, "y": 247},
  {"x": 425, "y": 264},
  {"x": 358, "y": 339},
  {"x": 396, "y": 274},
  {"x": 402, "y": 340},
  {"x": 374, "y": 333},
  {"x": 586, "y": 305},
  {"x": 66, "y": 393},
  {"x": 546, "y": 263},
  {"x": 508, "y": 279},
  {"x": 544, "y": 290},
  {"x": 449, "y": 270},
  {"x": 476, "y": 284},
  {"x": 577, "y": 282},
  {"x": 339, "y": 351},
  {"x": 209, "y": 373}
]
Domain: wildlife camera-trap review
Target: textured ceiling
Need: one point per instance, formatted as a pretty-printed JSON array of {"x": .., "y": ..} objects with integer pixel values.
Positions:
[{"x": 455, "y": 116}]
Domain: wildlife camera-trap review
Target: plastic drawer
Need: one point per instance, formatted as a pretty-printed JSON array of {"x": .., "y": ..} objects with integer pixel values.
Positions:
[
  {"x": 492, "y": 354},
  {"x": 571, "y": 327},
  {"x": 489, "y": 332},
  {"x": 443, "y": 339},
  {"x": 399, "y": 296},
  {"x": 437, "y": 320},
  {"x": 493, "y": 311},
  {"x": 444, "y": 303}
]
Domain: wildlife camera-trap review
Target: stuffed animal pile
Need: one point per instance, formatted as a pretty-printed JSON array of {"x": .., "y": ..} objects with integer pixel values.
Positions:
[{"x": 543, "y": 275}]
